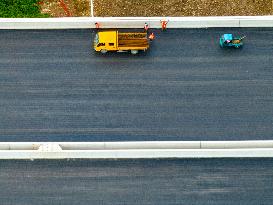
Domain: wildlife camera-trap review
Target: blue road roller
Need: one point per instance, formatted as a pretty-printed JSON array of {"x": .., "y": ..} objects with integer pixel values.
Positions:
[{"x": 228, "y": 40}]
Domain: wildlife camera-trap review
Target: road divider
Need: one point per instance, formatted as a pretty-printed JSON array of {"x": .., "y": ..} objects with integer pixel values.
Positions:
[
  {"x": 125, "y": 150},
  {"x": 135, "y": 22},
  {"x": 130, "y": 145},
  {"x": 19, "y": 146}
]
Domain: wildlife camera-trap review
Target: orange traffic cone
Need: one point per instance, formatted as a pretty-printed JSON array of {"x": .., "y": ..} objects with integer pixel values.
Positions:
[{"x": 151, "y": 36}]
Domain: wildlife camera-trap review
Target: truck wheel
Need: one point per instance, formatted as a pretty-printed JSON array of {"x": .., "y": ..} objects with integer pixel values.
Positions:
[
  {"x": 134, "y": 52},
  {"x": 103, "y": 51}
]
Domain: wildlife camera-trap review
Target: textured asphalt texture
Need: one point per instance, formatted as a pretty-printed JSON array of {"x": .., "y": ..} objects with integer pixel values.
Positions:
[
  {"x": 53, "y": 87},
  {"x": 137, "y": 182}
]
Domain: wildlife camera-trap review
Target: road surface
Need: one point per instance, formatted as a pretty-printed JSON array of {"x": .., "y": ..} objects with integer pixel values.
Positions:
[
  {"x": 135, "y": 182},
  {"x": 53, "y": 87}
]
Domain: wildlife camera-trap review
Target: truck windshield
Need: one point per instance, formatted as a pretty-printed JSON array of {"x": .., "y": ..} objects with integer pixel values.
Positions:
[{"x": 96, "y": 39}]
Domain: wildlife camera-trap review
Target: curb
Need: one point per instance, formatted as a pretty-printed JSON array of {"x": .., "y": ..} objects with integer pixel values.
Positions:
[
  {"x": 127, "y": 150},
  {"x": 135, "y": 22}
]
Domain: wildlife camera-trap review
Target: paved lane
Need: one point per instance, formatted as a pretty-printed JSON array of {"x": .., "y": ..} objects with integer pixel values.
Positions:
[
  {"x": 53, "y": 87},
  {"x": 134, "y": 182}
]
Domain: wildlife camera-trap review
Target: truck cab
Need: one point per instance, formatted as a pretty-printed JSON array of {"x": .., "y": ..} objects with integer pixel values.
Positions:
[{"x": 105, "y": 41}]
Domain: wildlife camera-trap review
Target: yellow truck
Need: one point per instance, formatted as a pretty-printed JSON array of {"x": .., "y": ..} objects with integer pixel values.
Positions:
[{"x": 121, "y": 41}]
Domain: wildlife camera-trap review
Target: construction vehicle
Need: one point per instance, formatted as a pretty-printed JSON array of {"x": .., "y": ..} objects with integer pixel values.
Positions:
[
  {"x": 121, "y": 41},
  {"x": 228, "y": 40}
]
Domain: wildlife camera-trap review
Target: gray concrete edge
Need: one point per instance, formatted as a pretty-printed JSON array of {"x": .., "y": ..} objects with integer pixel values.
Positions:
[
  {"x": 127, "y": 150},
  {"x": 135, "y": 22}
]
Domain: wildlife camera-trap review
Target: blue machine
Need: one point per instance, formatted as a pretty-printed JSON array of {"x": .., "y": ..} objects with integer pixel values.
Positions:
[{"x": 228, "y": 40}]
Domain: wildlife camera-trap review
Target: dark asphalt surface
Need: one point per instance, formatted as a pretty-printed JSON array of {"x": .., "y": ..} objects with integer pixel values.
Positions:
[
  {"x": 53, "y": 87},
  {"x": 137, "y": 182}
]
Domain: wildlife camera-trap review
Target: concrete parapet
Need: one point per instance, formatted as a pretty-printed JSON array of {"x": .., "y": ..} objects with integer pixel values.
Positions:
[
  {"x": 135, "y": 22},
  {"x": 131, "y": 145},
  {"x": 122, "y": 150},
  {"x": 19, "y": 146},
  {"x": 236, "y": 144}
]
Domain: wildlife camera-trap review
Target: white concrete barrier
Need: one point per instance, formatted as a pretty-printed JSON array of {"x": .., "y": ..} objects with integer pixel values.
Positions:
[
  {"x": 46, "y": 23},
  {"x": 122, "y": 150},
  {"x": 236, "y": 144},
  {"x": 130, "y": 145},
  {"x": 19, "y": 146},
  {"x": 135, "y": 22},
  {"x": 256, "y": 21},
  {"x": 173, "y": 22},
  {"x": 140, "y": 154}
]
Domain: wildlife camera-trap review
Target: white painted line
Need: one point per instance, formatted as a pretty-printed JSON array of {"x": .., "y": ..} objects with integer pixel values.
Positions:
[{"x": 92, "y": 8}]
